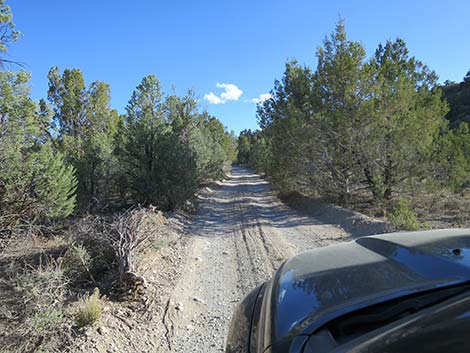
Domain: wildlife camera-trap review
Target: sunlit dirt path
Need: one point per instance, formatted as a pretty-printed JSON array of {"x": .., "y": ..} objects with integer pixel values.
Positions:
[{"x": 240, "y": 237}]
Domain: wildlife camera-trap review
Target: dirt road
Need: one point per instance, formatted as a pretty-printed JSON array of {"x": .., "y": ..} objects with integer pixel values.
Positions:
[{"x": 239, "y": 238}]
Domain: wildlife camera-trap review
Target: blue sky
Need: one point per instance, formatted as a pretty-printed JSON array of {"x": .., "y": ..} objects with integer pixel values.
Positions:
[{"x": 234, "y": 49}]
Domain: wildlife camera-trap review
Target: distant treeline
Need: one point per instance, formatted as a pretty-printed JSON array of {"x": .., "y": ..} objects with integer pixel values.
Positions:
[
  {"x": 73, "y": 152},
  {"x": 358, "y": 125}
]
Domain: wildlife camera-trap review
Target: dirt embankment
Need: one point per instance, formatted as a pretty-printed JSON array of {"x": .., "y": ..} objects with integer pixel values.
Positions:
[
  {"x": 240, "y": 236},
  {"x": 355, "y": 223}
]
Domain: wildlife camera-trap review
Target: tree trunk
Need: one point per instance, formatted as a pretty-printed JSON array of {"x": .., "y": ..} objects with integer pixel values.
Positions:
[{"x": 388, "y": 178}]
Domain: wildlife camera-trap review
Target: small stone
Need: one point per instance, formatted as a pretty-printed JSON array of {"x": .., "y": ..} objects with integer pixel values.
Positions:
[
  {"x": 196, "y": 299},
  {"x": 225, "y": 252}
]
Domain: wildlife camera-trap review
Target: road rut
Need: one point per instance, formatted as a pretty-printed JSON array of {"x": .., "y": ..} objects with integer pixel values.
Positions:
[{"x": 240, "y": 236}]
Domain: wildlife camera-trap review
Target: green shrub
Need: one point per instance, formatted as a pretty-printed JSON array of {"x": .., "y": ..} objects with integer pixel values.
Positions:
[
  {"x": 403, "y": 217},
  {"x": 89, "y": 309},
  {"x": 48, "y": 320}
]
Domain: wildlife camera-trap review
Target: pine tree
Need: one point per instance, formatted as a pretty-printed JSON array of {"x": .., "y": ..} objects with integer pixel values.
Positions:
[
  {"x": 455, "y": 157},
  {"x": 400, "y": 122},
  {"x": 35, "y": 185},
  {"x": 7, "y": 29},
  {"x": 85, "y": 127},
  {"x": 351, "y": 123},
  {"x": 167, "y": 148},
  {"x": 338, "y": 83},
  {"x": 142, "y": 136}
]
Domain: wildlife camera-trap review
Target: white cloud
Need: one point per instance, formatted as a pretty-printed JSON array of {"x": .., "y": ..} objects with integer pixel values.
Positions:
[
  {"x": 261, "y": 98},
  {"x": 231, "y": 93},
  {"x": 213, "y": 99}
]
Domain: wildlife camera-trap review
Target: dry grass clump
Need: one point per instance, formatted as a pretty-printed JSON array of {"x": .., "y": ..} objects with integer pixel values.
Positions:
[
  {"x": 42, "y": 291},
  {"x": 90, "y": 308},
  {"x": 78, "y": 262}
]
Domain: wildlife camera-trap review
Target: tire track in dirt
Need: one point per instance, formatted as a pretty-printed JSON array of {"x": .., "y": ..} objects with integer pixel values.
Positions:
[
  {"x": 262, "y": 264},
  {"x": 241, "y": 235}
]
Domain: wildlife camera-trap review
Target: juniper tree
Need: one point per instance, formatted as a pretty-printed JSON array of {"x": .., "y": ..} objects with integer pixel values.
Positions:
[
  {"x": 244, "y": 146},
  {"x": 8, "y": 33},
  {"x": 167, "y": 148},
  {"x": 287, "y": 124},
  {"x": 454, "y": 157},
  {"x": 351, "y": 123},
  {"x": 35, "y": 184},
  {"x": 85, "y": 126},
  {"x": 338, "y": 84},
  {"x": 142, "y": 135},
  {"x": 401, "y": 120}
]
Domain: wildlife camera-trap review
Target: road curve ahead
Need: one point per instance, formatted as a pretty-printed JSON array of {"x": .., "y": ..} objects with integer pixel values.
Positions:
[{"x": 240, "y": 236}]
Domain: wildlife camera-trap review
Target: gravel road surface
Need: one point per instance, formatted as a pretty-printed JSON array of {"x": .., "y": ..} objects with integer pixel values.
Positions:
[{"x": 240, "y": 237}]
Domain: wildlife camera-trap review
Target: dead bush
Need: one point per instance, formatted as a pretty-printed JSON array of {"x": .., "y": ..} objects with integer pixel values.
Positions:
[
  {"x": 94, "y": 257},
  {"x": 127, "y": 235},
  {"x": 106, "y": 251}
]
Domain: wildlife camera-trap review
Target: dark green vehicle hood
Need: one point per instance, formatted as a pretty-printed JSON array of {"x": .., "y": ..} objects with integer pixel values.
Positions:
[{"x": 320, "y": 285}]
